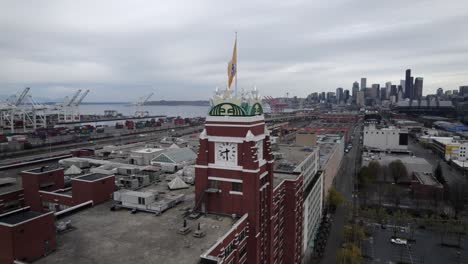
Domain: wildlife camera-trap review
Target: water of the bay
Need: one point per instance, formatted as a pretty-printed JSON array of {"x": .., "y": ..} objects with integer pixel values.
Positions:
[{"x": 129, "y": 110}]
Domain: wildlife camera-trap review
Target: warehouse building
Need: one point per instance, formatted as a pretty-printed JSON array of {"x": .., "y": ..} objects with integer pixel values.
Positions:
[{"x": 389, "y": 139}]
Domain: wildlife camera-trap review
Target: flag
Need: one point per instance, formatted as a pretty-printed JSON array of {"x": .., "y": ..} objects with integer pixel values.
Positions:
[{"x": 232, "y": 65}]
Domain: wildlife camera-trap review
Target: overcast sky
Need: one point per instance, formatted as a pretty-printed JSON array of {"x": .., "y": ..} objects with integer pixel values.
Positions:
[{"x": 122, "y": 50}]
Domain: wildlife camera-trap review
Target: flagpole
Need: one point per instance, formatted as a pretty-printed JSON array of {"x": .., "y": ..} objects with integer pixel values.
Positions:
[{"x": 237, "y": 68}]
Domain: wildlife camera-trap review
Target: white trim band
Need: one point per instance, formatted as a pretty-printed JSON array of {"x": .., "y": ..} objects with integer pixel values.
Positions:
[
  {"x": 224, "y": 179},
  {"x": 234, "y": 125}
]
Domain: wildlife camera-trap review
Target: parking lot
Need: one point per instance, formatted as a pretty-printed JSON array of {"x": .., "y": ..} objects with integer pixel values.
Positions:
[{"x": 425, "y": 247}]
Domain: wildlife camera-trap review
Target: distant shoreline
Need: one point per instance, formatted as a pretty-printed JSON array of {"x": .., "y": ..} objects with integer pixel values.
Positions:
[{"x": 161, "y": 102}]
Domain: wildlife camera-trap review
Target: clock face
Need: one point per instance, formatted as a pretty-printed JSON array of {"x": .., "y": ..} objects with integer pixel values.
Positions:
[
  {"x": 259, "y": 146},
  {"x": 226, "y": 152}
]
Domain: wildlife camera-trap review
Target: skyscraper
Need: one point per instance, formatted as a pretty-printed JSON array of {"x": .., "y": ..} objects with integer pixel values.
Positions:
[
  {"x": 440, "y": 92},
  {"x": 463, "y": 90},
  {"x": 363, "y": 84},
  {"x": 339, "y": 95},
  {"x": 393, "y": 90},
  {"x": 388, "y": 86},
  {"x": 383, "y": 93},
  {"x": 375, "y": 91},
  {"x": 409, "y": 93},
  {"x": 418, "y": 88},
  {"x": 355, "y": 90},
  {"x": 345, "y": 95}
]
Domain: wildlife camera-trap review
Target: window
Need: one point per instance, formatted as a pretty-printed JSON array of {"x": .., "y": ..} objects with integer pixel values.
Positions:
[
  {"x": 243, "y": 251},
  {"x": 237, "y": 187},
  {"x": 228, "y": 250},
  {"x": 213, "y": 184},
  {"x": 242, "y": 235},
  {"x": 141, "y": 200}
]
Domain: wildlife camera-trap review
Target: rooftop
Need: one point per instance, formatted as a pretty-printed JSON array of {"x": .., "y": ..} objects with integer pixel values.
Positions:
[
  {"x": 288, "y": 166},
  {"x": 177, "y": 155},
  {"x": 109, "y": 237},
  {"x": 92, "y": 177},
  {"x": 43, "y": 169},
  {"x": 278, "y": 177},
  {"x": 412, "y": 163},
  {"x": 326, "y": 150},
  {"x": 427, "y": 179},
  {"x": 18, "y": 216},
  {"x": 147, "y": 150}
]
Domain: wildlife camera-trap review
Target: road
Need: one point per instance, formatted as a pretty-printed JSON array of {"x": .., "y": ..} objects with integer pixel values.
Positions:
[{"x": 344, "y": 184}]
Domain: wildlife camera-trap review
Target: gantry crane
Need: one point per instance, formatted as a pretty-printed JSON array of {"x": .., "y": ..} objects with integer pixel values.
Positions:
[
  {"x": 10, "y": 113},
  {"x": 139, "y": 106},
  {"x": 69, "y": 110}
]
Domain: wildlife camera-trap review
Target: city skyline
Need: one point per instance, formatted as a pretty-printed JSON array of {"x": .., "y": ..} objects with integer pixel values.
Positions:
[{"x": 180, "y": 50}]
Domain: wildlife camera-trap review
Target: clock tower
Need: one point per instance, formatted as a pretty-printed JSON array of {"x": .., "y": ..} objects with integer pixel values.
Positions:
[{"x": 234, "y": 168}]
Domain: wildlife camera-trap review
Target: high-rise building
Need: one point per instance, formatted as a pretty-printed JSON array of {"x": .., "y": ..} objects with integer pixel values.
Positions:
[
  {"x": 346, "y": 95},
  {"x": 394, "y": 90},
  {"x": 409, "y": 93},
  {"x": 374, "y": 92},
  {"x": 463, "y": 90},
  {"x": 388, "y": 85},
  {"x": 339, "y": 95},
  {"x": 235, "y": 176},
  {"x": 403, "y": 86},
  {"x": 383, "y": 93},
  {"x": 440, "y": 91},
  {"x": 355, "y": 89},
  {"x": 360, "y": 98},
  {"x": 363, "y": 84},
  {"x": 418, "y": 88}
]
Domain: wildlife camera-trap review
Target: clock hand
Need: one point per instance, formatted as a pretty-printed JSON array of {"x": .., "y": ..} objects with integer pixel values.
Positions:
[{"x": 227, "y": 152}]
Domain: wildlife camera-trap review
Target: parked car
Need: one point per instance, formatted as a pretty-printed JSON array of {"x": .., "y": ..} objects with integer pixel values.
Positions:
[{"x": 399, "y": 241}]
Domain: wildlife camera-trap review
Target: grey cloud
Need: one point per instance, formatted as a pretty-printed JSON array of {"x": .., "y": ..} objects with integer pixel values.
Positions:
[{"x": 179, "y": 49}]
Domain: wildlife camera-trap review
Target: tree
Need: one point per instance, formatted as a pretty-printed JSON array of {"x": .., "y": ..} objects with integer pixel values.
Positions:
[
  {"x": 397, "y": 170},
  {"x": 353, "y": 233},
  {"x": 364, "y": 176},
  {"x": 335, "y": 198},
  {"x": 400, "y": 218},
  {"x": 394, "y": 193},
  {"x": 375, "y": 171},
  {"x": 457, "y": 196},
  {"x": 349, "y": 254},
  {"x": 439, "y": 174}
]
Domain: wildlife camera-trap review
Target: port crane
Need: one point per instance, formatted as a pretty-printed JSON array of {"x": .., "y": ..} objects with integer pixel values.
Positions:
[
  {"x": 11, "y": 112},
  {"x": 69, "y": 110},
  {"x": 139, "y": 106},
  {"x": 22, "y": 110}
]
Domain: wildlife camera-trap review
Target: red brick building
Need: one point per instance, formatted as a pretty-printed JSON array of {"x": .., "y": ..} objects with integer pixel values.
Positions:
[
  {"x": 26, "y": 235},
  {"x": 40, "y": 179},
  {"x": 43, "y": 189},
  {"x": 94, "y": 187},
  {"x": 234, "y": 176}
]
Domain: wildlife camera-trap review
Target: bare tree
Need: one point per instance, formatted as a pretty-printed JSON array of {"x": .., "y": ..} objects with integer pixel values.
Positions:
[
  {"x": 397, "y": 170},
  {"x": 375, "y": 171},
  {"x": 457, "y": 196}
]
